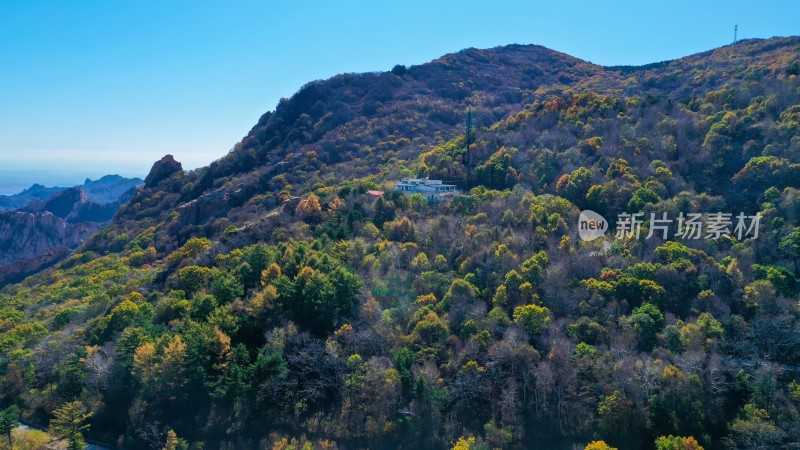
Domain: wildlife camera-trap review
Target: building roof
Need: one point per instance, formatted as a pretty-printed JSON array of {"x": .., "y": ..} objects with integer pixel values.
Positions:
[{"x": 424, "y": 182}]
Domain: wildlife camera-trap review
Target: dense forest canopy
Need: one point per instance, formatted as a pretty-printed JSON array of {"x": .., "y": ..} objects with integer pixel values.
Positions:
[{"x": 219, "y": 310}]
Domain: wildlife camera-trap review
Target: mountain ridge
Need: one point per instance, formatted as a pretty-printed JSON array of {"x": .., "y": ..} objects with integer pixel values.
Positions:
[{"x": 267, "y": 147}]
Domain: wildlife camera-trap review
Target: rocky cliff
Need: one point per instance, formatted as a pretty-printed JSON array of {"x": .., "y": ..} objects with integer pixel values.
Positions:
[
  {"x": 32, "y": 240},
  {"x": 45, "y": 231}
]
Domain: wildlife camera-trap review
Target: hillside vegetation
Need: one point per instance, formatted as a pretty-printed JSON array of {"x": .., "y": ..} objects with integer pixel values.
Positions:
[{"x": 217, "y": 311}]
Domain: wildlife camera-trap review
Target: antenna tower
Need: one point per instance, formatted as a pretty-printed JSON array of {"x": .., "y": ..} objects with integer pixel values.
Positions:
[{"x": 467, "y": 143}]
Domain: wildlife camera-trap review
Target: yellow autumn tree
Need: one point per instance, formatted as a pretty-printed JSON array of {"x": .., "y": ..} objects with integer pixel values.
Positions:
[
  {"x": 172, "y": 440},
  {"x": 464, "y": 443},
  {"x": 172, "y": 365},
  {"x": 598, "y": 445},
  {"x": 310, "y": 209},
  {"x": 263, "y": 303},
  {"x": 220, "y": 346},
  {"x": 144, "y": 362},
  {"x": 270, "y": 274}
]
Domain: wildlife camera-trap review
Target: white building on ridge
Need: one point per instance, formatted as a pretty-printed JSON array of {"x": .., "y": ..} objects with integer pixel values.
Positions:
[{"x": 433, "y": 190}]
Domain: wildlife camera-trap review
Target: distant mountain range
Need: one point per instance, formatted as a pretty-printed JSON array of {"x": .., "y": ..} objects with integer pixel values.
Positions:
[
  {"x": 41, "y": 225},
  {"x": 107, "y": 189}
]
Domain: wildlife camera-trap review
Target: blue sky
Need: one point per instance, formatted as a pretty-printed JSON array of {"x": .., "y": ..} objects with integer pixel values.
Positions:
[{"x": 93, "y": 87}]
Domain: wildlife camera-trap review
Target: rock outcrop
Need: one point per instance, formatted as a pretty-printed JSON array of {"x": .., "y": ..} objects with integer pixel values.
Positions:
[{"x": 161, "y": 170}]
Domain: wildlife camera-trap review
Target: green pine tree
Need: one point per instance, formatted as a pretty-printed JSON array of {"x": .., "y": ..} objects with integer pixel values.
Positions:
[{"x": 68, "y": 423}]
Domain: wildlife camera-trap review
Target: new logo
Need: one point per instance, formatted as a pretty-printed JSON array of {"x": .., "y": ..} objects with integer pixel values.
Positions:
[{"x": 591, "y": 225}]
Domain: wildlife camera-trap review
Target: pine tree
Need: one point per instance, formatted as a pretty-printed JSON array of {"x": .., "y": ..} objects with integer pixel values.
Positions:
[
  {"x": 8, "y": 421},
  {"x": 69, "y": 424}
]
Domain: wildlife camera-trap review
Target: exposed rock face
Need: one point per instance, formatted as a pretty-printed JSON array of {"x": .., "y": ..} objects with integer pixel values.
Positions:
[
  {"x": 213, "y": 204},
  {"x": 162, "y": 169},
  {"x": 32, "y": 240}
]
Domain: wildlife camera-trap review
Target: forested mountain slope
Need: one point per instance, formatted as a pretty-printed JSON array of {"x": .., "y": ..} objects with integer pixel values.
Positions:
[{"x": 220, "y": 306}]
